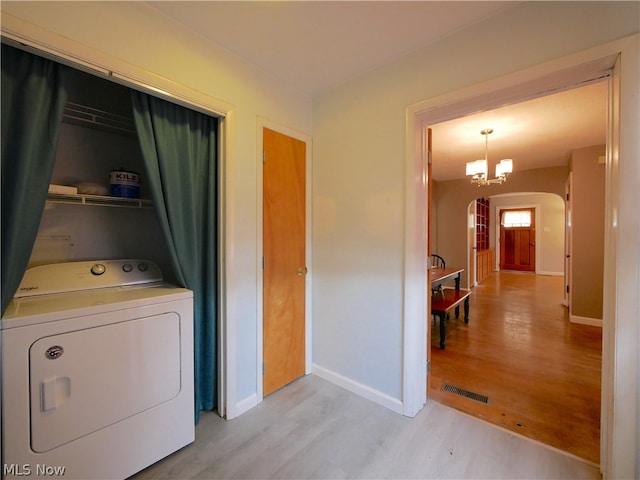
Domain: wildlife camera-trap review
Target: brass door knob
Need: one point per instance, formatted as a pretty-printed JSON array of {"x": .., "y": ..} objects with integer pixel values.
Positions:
[{"x": 301, "y": 271}]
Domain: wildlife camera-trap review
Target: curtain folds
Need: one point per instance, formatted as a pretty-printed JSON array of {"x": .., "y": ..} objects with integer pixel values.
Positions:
[
  {"x": 179, "y": 147},
  {"x": 34, "y": 94}
]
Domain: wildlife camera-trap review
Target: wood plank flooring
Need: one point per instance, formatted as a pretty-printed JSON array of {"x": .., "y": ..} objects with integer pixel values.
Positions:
[
  {"x": 541, "y": 373},
  {"x": 314, "y": 429}
]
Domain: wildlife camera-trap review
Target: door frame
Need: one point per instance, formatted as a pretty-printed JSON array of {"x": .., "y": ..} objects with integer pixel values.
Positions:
[
  {"x": 620, "y": 329},
  {"x": 261, "y": 124},
  {"x": 541, "y": 80},
  {"x": 536, "y": 212},
  {"x": 86, "y": 59},
  {"x": 567, "y": 243}
]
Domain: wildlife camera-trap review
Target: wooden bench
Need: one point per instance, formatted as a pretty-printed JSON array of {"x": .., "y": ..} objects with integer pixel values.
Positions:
[{"x": 443, "y": 301}]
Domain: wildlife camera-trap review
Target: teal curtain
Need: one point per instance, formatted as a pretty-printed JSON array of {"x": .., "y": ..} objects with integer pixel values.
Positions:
[
  {"x": 33, "y": 99},
  {"x": 179, "y": 147}
]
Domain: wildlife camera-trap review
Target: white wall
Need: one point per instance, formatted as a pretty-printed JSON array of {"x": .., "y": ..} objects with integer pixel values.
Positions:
[
  {"x": 135, "y": 40},
  {"x": 549, "y": 228},
  {"x": 587, "y": 218},
  {"x": 359, "y": 180}
]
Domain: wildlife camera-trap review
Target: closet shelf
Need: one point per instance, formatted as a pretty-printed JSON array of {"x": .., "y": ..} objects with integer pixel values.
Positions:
[
  {"x": 82, "y": 115},
  {"x": 98, "y": 200}
]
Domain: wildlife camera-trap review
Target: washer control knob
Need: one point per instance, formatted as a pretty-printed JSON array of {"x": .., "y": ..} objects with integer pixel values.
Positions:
[
  {"x": 127, "y": 267},
  {"x": 143, "y": 267},
  {"x": 98, "y": 269}
]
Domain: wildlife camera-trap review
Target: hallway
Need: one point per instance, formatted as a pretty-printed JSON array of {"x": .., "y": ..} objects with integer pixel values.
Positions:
[{"x": 541, "y": 374}]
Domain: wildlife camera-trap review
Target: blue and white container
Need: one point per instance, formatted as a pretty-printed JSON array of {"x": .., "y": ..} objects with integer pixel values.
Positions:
[{"x": 125, "y": 184}]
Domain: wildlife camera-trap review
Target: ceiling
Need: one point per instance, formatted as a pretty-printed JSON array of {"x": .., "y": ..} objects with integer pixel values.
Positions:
[
  {"x": 537, "y": 133},
  {"x": 314, "y": 46}
]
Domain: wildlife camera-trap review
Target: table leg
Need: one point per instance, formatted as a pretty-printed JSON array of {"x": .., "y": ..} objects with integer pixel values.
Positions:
[
  {"x": 443, "y": 328},
  {"x": 466, "y": 310},
  {"x": 457, "y": 288}
]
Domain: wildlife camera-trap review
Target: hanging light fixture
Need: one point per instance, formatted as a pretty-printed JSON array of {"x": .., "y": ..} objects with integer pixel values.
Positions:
[{"x": 478, "y": 170}]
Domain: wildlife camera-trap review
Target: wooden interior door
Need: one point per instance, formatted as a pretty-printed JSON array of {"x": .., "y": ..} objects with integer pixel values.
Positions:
[
  {"x": 517, "y": 245},
  {"x": 284, "y": 268}
]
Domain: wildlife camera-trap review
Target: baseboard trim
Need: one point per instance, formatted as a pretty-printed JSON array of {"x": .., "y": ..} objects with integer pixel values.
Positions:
[
  {"x": 551, "y": 274},
  {"x": 594, "y": 322},
  {"x": 369, "y": 393},
  {"x": 243, "y": 406}
]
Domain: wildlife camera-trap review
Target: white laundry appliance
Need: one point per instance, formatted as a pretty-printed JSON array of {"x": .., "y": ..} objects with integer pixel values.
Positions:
[{"x": 97, "y": 364}]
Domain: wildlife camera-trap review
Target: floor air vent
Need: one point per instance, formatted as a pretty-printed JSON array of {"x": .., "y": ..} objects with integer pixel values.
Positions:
[{"x": 465, "y": 393}]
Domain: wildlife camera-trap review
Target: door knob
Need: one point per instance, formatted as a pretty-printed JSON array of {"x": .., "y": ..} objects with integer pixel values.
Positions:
[{"x": 301, "y": 271}]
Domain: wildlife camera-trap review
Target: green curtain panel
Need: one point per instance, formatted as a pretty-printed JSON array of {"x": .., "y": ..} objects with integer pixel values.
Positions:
[
  {"x": 179, "y": 147},
  {"x": 34, "y": 94}
]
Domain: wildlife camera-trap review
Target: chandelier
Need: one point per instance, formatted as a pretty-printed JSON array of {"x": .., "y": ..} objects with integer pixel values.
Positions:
[{"x": 478, "y": 170}]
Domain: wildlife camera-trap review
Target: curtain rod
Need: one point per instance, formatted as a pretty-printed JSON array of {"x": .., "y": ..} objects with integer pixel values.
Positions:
[{"x": 43, "y": 50}]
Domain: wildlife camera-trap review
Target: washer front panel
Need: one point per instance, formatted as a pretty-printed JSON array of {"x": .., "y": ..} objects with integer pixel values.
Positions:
[
  {"x": 86, "y": 380},
  {"x": 138, "y": 359}
]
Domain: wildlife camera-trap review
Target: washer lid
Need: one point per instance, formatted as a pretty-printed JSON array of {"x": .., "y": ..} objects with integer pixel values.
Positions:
[{"x": 86, "y": 275}]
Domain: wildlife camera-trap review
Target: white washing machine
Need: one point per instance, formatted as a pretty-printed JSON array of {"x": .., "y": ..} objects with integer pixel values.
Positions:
[{"x": 97, "y": 364}]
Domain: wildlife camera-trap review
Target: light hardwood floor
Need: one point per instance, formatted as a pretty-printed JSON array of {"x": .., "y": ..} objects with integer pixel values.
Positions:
[
  {"x": 541, "y": 373},
  {"x": 316, "y": 430}
]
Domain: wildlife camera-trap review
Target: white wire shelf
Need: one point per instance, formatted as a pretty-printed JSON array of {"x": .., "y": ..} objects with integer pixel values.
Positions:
[
  {"x": 83, "y": 115},
  {"x": 98, "y": 200}
]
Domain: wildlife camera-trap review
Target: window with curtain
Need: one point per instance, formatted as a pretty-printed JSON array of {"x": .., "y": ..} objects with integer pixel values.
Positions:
[{"x": 519, "y": 218}]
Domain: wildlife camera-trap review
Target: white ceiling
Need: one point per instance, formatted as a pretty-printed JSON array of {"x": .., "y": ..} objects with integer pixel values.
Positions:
[
  {"x": 535, "y": 134},
  {"x": 314, "y": 46}
]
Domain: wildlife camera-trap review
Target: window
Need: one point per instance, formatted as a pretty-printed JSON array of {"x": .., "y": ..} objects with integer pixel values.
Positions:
[{"x": 516, "y": 218}]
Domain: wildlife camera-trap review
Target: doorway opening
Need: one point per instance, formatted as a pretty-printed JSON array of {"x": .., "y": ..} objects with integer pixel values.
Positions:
[
  {"x": 465, "y": 258},
  {"x": 620, "y": 291},
  {"x": 518, "y": 323}
]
